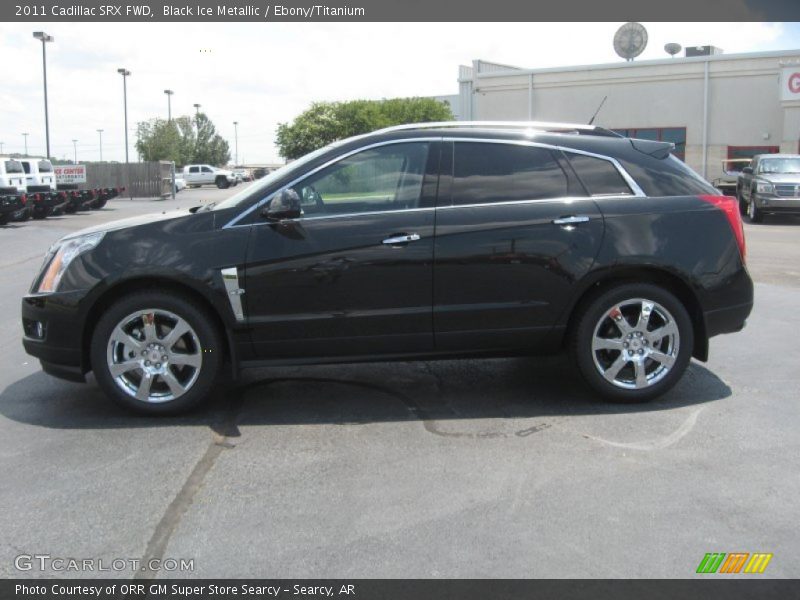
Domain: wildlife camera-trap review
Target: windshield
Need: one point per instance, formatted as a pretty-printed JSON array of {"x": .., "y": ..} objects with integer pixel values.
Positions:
[
  {"x": 268, "y": 180},
  {"x": 13, "y": 166},
  {"x": 780, "y": 165}
]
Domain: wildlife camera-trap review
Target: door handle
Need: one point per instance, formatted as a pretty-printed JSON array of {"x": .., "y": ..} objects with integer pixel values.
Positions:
[
  {"x": 571, "y": 220},
  {"x": 401, "y": 239}
]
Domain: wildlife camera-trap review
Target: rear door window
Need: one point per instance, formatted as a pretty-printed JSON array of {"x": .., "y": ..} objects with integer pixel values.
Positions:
[{"x": 491, "y": 172}]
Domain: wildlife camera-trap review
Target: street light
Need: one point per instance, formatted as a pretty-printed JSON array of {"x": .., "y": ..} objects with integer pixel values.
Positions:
[
  {"x": 100, "y": 131},
  {"x": 196, "y": 109},
  {"x": 25, "y": 135},
  {"x": 44, "y": 38},
  {"x": 169, "y": 104},
  {"x": 236, "y": 142},
  {"x": 75, "y": 151},
  {"x": 125, "y": 74}
]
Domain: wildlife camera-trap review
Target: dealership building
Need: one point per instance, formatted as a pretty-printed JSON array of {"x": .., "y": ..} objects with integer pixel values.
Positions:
[{"x": 713, "y": 106}]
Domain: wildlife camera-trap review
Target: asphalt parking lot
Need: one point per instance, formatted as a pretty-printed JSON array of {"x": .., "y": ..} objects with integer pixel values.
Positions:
[{"x": 478, "y": 468}]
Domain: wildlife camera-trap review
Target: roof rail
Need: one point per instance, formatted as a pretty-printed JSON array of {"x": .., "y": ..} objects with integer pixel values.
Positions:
[{"x": 534, "y": 125}]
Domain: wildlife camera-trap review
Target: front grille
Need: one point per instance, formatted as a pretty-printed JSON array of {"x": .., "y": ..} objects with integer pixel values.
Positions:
[{"x": 788, "y": 190}]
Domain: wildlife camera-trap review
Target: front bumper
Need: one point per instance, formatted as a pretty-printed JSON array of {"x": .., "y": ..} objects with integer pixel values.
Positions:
[
  {"x": 52, "y": 332},
  {"x": 777, "y": 204}
]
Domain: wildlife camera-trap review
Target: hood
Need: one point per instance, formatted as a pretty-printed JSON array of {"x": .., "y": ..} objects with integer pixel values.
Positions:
[
  {"x": 780, "y": 177},
  {"x": 131, "y": 222}
]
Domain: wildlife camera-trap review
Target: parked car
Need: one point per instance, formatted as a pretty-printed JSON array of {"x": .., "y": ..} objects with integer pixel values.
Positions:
[
  {"x": 13, "y": 190},
  {"x": 729, "y": 181},
  {"x": 770, "y": 185},
  {"x": 197, "y": 175},
  {"x": 425, "y": 241},
  {"x": 243, "y": 175},
  {"x": 41, "y": 187}
]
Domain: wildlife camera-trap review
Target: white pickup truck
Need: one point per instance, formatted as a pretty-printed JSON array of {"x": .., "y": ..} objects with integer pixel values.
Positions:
[{"x": 196, "y": 175}]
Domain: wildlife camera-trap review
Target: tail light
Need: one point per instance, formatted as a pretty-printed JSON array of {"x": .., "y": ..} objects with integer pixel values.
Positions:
[
  {"x": 62, "y": 195},
  {"x": 76, "y": 194},
  {"x": 23, "y": 198},
  {"x": 37, "y": 197},
  {"x": 730, "y": 206}
]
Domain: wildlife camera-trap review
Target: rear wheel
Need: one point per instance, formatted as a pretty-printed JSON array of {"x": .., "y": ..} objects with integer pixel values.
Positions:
[
  {"x": 222, "y": 182},
  {"x": 633, "y": 342},
  {"x": 156, "y": 353}
]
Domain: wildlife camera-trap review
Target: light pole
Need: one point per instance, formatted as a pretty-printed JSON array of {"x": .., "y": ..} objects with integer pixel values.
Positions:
[
  {"x": 125, "y": 74},
  {"x": 169, "y": 104},
  {"x": 75, "y": 151},
  {"x": 44, "y": 38},
  {"x": 100, "y": 132},
  {"x": 236, "y": 143},
  {"x": 25, "y": 135},
  {"x": 196, "y": 110}
]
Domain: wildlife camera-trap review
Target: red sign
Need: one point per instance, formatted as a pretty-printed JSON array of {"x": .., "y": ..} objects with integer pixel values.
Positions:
[
  {"x": 70, "y": 173},
  {"x": 794, "y": 83}
]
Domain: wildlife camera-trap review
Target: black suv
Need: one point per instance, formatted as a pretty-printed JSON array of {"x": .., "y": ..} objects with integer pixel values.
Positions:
[{"x": 425, "y": 241}]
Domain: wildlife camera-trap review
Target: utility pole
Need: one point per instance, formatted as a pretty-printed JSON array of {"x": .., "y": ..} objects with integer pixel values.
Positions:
[
  {"x": 169, "y": 104},
  {"x": 100, "y": 132},
  {"x": 236, "y": 143},
  {"x": 25, "y": 135},
  {"x": 75, "y": 151}
]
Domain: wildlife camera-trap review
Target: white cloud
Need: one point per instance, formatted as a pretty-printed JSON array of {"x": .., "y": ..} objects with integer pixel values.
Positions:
[{"x": 261, "y": 74}]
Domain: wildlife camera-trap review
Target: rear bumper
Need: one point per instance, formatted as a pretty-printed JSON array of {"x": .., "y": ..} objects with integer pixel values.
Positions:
[{"x": 727, "y": 320}]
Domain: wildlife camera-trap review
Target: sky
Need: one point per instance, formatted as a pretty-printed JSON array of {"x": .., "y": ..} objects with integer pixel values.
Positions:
[{"x": 261, "y": 74}]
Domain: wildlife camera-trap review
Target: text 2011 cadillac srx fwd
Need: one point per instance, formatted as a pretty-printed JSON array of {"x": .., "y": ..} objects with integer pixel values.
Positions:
[{"x": 423, "y": 241}]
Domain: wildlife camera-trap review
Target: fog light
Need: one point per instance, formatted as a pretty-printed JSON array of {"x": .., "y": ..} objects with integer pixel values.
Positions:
[{"x": 39, "y": 328}]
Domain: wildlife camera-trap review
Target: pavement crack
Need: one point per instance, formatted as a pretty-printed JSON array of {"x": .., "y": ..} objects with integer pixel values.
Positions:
[{"x": 220, "y": 434}]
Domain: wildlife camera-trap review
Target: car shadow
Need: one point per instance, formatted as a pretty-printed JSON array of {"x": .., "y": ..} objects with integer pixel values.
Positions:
[{"x": 359, "y": 393}]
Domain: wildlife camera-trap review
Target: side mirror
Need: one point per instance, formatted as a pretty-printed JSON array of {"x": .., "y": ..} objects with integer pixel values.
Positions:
[
  {"x": 748, "y": 170},
  {"x": 285, "y": 205}
]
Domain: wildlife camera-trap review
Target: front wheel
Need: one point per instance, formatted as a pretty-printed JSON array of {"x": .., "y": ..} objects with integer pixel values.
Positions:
[
  {"x": 222, "y": 183},
  {"x": 753, "y": 212},
  {"x": 633, "y": 342},
  {"x": 156, "y": 353}
]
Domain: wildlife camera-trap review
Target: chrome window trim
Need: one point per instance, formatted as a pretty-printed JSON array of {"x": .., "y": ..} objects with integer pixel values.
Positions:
[{"x": 637, "y": 191}]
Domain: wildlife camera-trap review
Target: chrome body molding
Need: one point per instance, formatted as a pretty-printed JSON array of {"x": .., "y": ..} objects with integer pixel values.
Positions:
[{"x": 230, "y": 278}]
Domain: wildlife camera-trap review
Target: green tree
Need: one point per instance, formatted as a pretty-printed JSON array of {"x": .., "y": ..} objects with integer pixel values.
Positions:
[
  {"x": 326, "y": 122},
  {"x": 183, "y": 140}
]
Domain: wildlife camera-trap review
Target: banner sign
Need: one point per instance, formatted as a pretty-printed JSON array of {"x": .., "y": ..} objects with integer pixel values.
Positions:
[{"x": 70, "y": 173}]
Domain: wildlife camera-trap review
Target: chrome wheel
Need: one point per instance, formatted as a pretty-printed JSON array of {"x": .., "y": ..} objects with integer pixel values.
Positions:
[
  {"x": 154, "y": 356},
  {"x": 635, "y": 343},
  {"x": 751, "y": 209}
]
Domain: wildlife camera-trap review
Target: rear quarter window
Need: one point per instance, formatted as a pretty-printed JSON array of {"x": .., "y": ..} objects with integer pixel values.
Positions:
[
  {"x": 13, "y": 166},
  {"x": 600, "y": 177},
  {"x": 667, "y": 177},
  {"x": 45, "y": 166}
]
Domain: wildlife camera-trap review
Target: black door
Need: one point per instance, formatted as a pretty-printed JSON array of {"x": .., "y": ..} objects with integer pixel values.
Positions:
[
  {"x": 517, "y": 232},
  {"x": 353, "y": 275}
]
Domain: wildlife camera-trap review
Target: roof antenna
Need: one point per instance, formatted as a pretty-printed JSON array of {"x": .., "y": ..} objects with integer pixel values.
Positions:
[{"x": 594, "y": 116}]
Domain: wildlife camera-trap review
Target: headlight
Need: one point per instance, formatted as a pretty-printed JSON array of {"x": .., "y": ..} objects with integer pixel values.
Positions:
[
  {"x": 60, "y": 256},
  {"x": 764, "y": 187}
]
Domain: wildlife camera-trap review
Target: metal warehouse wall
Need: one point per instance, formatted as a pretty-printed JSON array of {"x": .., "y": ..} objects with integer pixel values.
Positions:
[{"x": 722, "y": 100}]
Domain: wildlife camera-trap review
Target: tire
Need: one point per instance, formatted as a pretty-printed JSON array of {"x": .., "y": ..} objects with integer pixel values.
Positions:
[
  {"x": 71, "y": 208},
  {"x": 5, "y": 218},
  {"x": 597, "y": 358},
  {"x": 193, "y": 361},
  {"x": 742, "y": 203},
  {"x": 753, "y": 212},
  {"x": 222, "y": 183}
]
